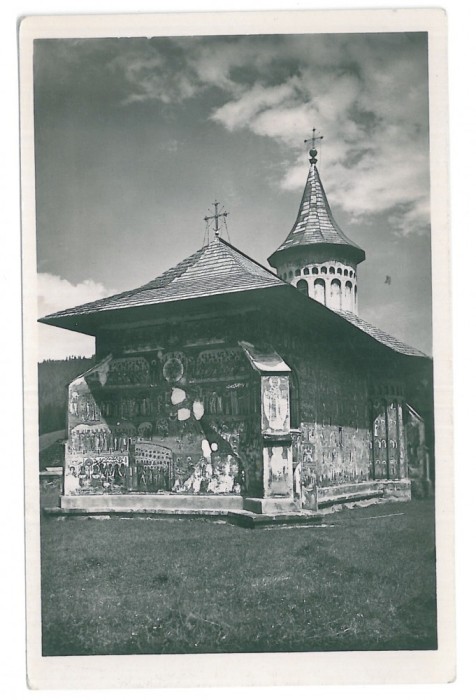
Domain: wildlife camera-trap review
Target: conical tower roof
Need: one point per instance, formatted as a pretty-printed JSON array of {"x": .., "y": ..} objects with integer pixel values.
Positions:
[{"x": 315, "y": 223}]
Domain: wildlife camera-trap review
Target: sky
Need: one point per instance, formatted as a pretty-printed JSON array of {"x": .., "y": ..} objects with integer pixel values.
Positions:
[{"x": 135, "y": 138}]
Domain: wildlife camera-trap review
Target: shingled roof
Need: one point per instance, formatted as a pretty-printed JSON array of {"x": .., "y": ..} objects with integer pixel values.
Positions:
[
  {"x": 315, "y": 223},
  {"x": 217, "y": 268},
  {"x": 381, "y": 336}
]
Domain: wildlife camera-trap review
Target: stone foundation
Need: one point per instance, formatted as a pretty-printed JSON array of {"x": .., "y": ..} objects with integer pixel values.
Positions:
[
  {"x": 150, "y": 502},
  {"x": 270, "y": 505},
  {"x": 382, "y": 489}
]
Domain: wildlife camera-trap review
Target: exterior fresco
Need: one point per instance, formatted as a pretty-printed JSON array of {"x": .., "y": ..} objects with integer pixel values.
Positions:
[
  {"x": 275, "y": 405},
  {"x": 192, "y": 413},
  {"x": 278, "y": 473},
  {"x": 181, "y": 420}
]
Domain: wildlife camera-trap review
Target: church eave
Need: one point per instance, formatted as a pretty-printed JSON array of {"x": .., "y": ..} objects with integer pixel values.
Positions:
[
  {"x": 90, "y": 322},
  {"x": 316, "y": 252}
]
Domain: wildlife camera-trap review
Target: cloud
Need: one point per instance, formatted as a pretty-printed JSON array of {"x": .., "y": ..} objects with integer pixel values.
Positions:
[
  {"x": 369, "y": 97},
  {"x": 367, "y": 93},
  {"x": 153, "y": 75},
  {"x": 54, "y": 294}
]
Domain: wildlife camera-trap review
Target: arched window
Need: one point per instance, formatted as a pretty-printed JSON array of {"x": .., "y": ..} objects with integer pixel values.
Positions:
[
  {"x": 291, "y": 274},
  {"x": 303, "y": 287},
  {"x": 347, "y": 303},
  {"x": 355, "y": 295},
  {"x": 320, "y": 291},
  {"x": 306, "y": 270},
  {"x": 336, "y": 295},
  {"x": 351, "y": 274},
  {"x": 284, "y": 276},
  {"x": 346, "y": 272},
  {"x": 332, "y": 270},
  {"x": 315, "y": 271},
  {"x": 323, "y": 270},
  {"x": 297, "y": 272},
  {"x": 339, "y": 270}
]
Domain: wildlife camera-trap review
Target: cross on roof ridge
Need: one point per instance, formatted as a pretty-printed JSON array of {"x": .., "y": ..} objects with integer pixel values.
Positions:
[{"x": 216, "y": 216}]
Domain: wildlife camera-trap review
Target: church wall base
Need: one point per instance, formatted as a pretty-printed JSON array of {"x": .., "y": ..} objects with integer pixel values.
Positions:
[
  {"x": 270, "y": 505},
  {"x": 150, "y": 502},
  {"x": 366, "y": 492}
]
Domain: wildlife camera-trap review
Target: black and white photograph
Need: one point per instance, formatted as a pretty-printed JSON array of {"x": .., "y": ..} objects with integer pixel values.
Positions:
[{"x": 230, "y": 327}]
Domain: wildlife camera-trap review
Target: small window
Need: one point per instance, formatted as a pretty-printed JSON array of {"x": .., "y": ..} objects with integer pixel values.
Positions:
[
  {"x": 291, "y": 274},
  {"x": 306, "y": 270},
  {"x": 315, "y": 271},
  {"x": 323, "y": 270},
  {"x": 284, "y": 276},
  {"x": 332, "y": 270},
  {"x": 346, "y": 273},
  {"x": 339, "y": 270},
  {"x": 297, "y": 272}
]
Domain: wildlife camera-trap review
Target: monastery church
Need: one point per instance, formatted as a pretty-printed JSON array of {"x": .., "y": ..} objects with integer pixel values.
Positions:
[{"x": 221, "y": 386}]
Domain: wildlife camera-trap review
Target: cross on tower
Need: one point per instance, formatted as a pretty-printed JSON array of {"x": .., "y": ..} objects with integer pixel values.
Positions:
[
  {"x": 216, "y": 216},
  {"x": 312, "y": 140}
]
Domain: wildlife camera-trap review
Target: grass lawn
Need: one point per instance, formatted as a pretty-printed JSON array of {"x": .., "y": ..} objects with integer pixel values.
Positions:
[{"x": 130, "y": 586}]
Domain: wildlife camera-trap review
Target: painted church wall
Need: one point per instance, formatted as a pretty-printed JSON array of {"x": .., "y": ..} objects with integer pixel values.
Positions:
[
  {"x": 331, "y": 394},
  {"x": 188, "y": 382},
  {"x": 180, "y": 416}
]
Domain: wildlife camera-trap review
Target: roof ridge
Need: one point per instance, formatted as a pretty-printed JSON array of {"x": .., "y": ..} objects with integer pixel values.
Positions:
[
  {"x": 174, "y": 272},
  {"x": 255, "y": 262}
]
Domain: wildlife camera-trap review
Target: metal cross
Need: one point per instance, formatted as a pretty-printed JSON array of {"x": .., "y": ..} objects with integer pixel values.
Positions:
[
  {"x": 313, "y": 139},
  {"x": 313, "y": 151},
  {"x": 216, "y": 216}
]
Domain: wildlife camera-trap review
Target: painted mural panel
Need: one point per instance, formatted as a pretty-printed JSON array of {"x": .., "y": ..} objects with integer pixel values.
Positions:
[
  {"x": 91, "y": 473},
  {"x": 417, "y": 453},
  {"x": 154, "y": 467},
  {"x": 278, "y": 472},
  {"x": 335, "y": 454},
  {"x": 379, "y": 434},
  {"x": 393, "y": 440},
  {"x": 275, "y": 418},
  {"x": 196, "y": 408}
]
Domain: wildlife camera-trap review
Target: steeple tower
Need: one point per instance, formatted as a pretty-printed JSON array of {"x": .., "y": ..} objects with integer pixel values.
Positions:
[{"x": 317, "y": 257}]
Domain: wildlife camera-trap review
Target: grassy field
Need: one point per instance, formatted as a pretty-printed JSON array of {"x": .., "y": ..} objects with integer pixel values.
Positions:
[{"x": 127, "y": 586}]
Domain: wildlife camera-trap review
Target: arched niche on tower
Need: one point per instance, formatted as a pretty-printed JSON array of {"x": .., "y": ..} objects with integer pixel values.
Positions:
[
  {"x": 335, "y": 299},
  {"x": 303, "y": 287},
  {"x": 348, "y": 300},
  {"x": 320, "y": 290}
]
